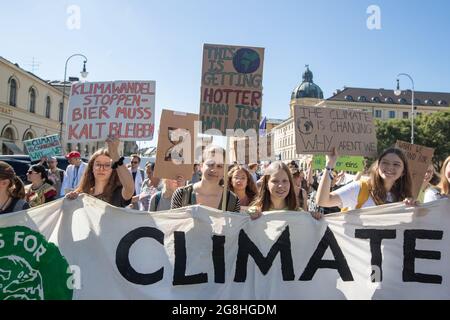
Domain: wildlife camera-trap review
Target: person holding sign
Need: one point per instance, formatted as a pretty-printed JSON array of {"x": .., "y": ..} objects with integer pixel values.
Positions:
[
  {"x": 207, "y": 191},
  {"x": 277, "y": 192},
  {"x": 389, "y": 181},
  {"x": 242, "y": 184},
  {"x": 106, "y": 177},
  {"x": 12, "y": 192},
  {"x": 443, "y": 188}
]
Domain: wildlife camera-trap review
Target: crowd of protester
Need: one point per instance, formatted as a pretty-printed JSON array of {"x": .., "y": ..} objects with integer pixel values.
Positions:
[{"x": 253, "y": 188}]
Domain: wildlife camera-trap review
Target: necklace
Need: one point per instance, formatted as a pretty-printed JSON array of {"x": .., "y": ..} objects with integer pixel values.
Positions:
[{"x": 4, "y": 204}]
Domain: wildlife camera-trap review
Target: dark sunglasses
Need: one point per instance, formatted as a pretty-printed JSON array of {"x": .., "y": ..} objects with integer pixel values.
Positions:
[
  {"x": 134, "y": 162},
  {"x": 30, "y": 172}
]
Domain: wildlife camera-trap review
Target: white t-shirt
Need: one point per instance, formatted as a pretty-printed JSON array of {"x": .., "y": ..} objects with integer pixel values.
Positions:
[{"x": 349, "y": 196}]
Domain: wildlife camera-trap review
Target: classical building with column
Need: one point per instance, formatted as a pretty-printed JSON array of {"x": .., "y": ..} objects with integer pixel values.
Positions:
[
  {"x": 31, "y": 107},
  {"x": 382, "y": 103}
]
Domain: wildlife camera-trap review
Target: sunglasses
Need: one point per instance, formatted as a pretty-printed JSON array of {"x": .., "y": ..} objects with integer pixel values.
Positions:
[
  {"x": 134, "y": 162},
  {"x": 30, "y": 172}
]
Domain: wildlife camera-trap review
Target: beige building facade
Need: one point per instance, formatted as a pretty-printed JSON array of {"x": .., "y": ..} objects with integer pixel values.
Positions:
[{"x": 31, "y": 107}]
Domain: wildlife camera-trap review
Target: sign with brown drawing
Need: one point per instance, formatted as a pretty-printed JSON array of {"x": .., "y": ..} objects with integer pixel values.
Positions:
[{"x": 319, "y": 129}]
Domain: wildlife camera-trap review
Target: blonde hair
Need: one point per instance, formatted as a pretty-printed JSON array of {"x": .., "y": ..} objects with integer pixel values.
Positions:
[{"x": 444, "y": 185}]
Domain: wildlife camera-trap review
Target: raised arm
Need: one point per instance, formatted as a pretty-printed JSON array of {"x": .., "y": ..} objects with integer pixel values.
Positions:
[
  {"x": 125, "y": 177},
  {"x": 323, "y": 196}
]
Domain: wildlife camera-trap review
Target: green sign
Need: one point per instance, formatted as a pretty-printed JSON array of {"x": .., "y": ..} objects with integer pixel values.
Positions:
[
  {"x": 344, "y": 163},
  {"x": 31, "y": 268},
  {"x": 43, "y": 147}
]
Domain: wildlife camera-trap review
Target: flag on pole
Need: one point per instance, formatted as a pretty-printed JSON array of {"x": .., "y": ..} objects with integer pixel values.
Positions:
[{"x": 262, "y": 126}]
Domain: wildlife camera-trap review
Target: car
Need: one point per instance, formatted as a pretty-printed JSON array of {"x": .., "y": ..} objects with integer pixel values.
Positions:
[{"x": 22, "y": 162}]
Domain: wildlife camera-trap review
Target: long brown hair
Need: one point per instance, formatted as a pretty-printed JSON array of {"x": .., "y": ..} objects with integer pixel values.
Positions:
[
  {"x": 250, "y": 190},
  {"x": 87, "y": 184},
  {"x": 263, "y": 201},
  {"x": 444, "y": 185},
  {"x": 402, "y": 187},
  {"x": 16, "y": 188}
]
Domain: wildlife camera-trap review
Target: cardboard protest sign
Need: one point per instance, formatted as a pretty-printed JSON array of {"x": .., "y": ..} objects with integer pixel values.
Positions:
[
  {"x": 247, "y": 150},
  {"x": 48, "y": 146},
  {"x": 343, "y": 163},
  {"x": 319, "y": 129},
  {"x": 231, "y": 90},
  {"x": 419, "y": 158},
  {"x": 175, "y": 150},
  {"x": 124, "y": 109}
]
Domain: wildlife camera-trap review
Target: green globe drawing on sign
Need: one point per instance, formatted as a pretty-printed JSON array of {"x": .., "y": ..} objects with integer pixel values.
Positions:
[
  {"x": 31, "y": 268},
  {"x": 246, "y": 60}
]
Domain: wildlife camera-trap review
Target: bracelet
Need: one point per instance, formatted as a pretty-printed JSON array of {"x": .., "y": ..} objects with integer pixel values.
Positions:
[{"x": 118, "y": 163}]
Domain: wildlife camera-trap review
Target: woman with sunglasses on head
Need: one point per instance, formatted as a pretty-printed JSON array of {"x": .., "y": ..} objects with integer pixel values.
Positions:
[
  {"x": 12, "y": 191},
  {"x": 389, "y": 182},
  {"x": 106, "y": 177},
  {"x": 207, "y": 191},
  {"x": 41, "y": 189}
]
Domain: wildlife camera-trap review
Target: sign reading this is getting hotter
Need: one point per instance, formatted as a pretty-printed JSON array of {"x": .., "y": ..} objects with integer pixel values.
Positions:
[{"x": 231, "y": 92}]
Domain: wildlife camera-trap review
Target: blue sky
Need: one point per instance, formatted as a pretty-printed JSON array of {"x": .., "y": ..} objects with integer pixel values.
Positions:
[{"x": 162, "y": 41}]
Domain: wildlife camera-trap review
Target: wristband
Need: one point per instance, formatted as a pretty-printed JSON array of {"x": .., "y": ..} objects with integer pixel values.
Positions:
[{"x": 118, "y": 163}]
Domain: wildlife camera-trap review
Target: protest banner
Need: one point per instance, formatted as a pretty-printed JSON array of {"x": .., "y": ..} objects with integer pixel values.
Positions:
[
  {"x": 419, "y": 158},
  {"x": 124, "y": 109},
  {"x": 231, "y": 89},
  {"x": 319, "y": 129},
  {"x": 48, "y": 146},
  {"x": 175, "y": 152},
  {"x": 343, "y": 163},
  {"x": 385, "y": 252}
]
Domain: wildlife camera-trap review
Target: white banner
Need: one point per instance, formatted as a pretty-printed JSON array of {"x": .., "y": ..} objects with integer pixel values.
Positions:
[{"x": 86, "y": 249}]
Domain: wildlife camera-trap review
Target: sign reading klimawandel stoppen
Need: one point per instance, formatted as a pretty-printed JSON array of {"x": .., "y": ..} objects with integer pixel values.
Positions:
[
  {"x": 125, "y": 109},
  {"x": 319, "y": 129},
  {"x": 384, "y": 252},
  {"x": 231, "y": 91}
]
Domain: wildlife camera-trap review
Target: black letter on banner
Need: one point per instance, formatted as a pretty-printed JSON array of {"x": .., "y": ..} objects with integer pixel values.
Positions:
[
  {"x": 179, "y": 272},
  {"x": 218, "y": 255},
  {"x": 123, "y": 252},
  {"x": 316, "y": 262},
  {"x": 375, "y": 236},
  {"x": 410, "y": 254},
  {"x": 247, "y": 247}
]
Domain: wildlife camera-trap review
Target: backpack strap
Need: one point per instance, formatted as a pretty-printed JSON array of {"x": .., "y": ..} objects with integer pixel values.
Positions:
[
  {"x": 187, "y": 193},
  {"x": 363, "y": 195},
  {"x": 231, "y": 201},
  {"x": 157, "y": 199}
]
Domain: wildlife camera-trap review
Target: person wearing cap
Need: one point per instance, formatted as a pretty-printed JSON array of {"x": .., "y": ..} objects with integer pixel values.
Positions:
[
  {"x": 55, "y": 174},
  {"x": 74, "y": 172}
]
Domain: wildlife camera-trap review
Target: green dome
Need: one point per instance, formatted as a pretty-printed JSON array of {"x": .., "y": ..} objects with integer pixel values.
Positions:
[{"x": 307, "y": 89}]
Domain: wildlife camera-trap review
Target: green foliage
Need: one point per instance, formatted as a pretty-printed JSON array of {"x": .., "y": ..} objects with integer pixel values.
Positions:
[{"x": 431, "y": 130}]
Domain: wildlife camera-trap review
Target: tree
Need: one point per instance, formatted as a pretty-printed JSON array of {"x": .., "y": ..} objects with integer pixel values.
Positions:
[{"x": 431, "y": 130}]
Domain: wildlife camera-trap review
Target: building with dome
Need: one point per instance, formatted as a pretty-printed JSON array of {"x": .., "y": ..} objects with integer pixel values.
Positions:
[{"x": 382, "y": 103}]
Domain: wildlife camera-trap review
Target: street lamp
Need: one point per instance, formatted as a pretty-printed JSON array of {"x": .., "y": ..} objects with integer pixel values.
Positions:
[
  {"x": 83, "y": 73},
  {"x": 398, "y": 92}
]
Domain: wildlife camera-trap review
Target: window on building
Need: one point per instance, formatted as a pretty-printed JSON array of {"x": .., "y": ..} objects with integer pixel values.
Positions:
[
  {"x": 32, "y": 100},
  {"x": 48, "y": 106},
  {"x": 378, "y": 114},
  {"x": 28, "y": 136},
  {"x": 391, "y": 114},
  {"x": 405, "y": 115},
  {"x": 61, "y": 112},
  {"x": 12, "y": 92}
]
